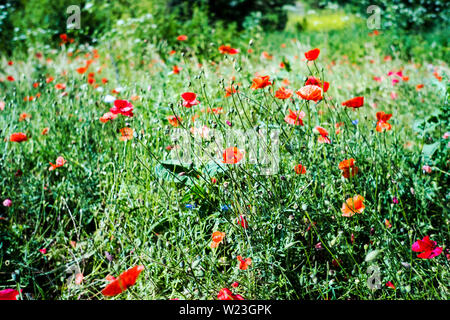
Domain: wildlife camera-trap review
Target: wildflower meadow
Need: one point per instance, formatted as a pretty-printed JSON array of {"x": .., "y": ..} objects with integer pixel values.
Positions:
[{"x": 230, "y": 150}]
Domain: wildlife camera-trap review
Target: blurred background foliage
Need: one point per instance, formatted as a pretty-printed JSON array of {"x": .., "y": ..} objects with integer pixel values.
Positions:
[{"x": 27, "y": 23}]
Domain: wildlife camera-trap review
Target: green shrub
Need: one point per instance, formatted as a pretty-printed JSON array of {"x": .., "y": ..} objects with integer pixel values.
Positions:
[{"x": 404, "y": 14}]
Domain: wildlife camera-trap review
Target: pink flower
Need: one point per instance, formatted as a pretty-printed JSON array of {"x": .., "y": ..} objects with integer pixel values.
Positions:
[
  {"x": 190, "y": 99},
  {"x": 426, "y": 169},
  {"x": 7, "y": 203},
  {"x": 43, "y": 250},
  {"x": 394, "y": 95},
  {"x": 9, "y": 294},
  {"x": 446, "y": 135},
  {"x": 428, "y": 248},
  {"x": 123, "y": 107}
]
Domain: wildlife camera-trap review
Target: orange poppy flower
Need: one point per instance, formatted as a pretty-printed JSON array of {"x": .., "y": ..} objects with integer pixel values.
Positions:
[
  {"x": 348, "y": 167},
  {"x": 283, "y": 93},
  {"x": 387, "y": 223},
  {"x": 174, "y": 120},
  {"x": 266, "y": 55},
  {"x": 312, "y": 54},
  {"x": 352, "y": 206},
  {"x": 229, "y": 91},
  {"x": 182, "y": 37},
  {"x": 232, "y": 155},
  {"x": 60, "y": 161},
  {"x": 260, "y": 82},
  {"x": 382, "y": 123},
  {"x": 127, "y": 134},
  {"x": 24, "y": 116},
  {"x": 310, "y": 92},
  {"x": 49, "y": 79},
  {"x": 295, "y": 117},
  {"x": 419, "y": 86},
  {"x": 356, "y": 102},
  {"x": 18, "y": 137},
  {"x": 45, "y": 131},
  {"x": 82, "y": 70},
  {"x": 300, "y": 169},
  {"x": 108, "y": 116},
  {"x": 244, "y": 263},
  {"x": 123, "y": 282},
  {"x": 217, "y": 237},
  {"x": 323, "y": 138},
  {"x": 60, "y": 86}
]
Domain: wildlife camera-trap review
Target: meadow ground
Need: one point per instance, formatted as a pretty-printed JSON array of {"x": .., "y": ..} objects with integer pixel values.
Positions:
[{"x": 348, "y": 193}]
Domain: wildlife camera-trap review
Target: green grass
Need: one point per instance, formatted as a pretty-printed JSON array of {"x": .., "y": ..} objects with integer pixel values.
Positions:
[{"x": 117, "y": 197}]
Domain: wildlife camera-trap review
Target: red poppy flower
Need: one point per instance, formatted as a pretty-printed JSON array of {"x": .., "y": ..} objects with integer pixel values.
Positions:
[
  {"x": 123, "y": 107},
  {"x": 60, "y": 161},
  {"x": 312, "y": 54},
  {"x": 300, "y": 169},
  {"x": 18, "y": 137},
  {"x": 390, "y": 285},
  {"x": 176, "y": 70},
  {"x": 242, "y": 221},
  {"x": 10, "y": 78},
  {"x": 260, "y": 82},
  {"x": 323, "y": 138},
  {"x": 226, "y": 294},
  {"x": 123, "y": 282},
  {"x": 244, "y": 263},
  {"x": 174, "y": 120},
  {"x": 190, "y": 99},
  {"x": 428, "y": 248},
  {"x": 382, "y": 123},
  {"x": 310, "y": 92},
  {"x": 182, "y": 37},
  {"x": 295, "y": 117},
  {"x": 45, "y": 131},
  {"x": 283, "y": 93},
  {"x": 356, "y": 102},
  {"x": 49, "y": 79},
  {"x": 352, "y": 206},
  {"x": 316, "y": 82},
  {"x": 217, "y": 237},
  {"x": 232, "y": 155},
  {"x": 348, "y": 167},
  {"x": 9, "y": 294},
  {"x": 228, "y": 50}
]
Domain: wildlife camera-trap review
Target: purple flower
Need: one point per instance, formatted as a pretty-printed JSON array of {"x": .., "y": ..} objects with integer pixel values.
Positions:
[
  {"x": 395, "y": 200},
  {"x": 228, "y": 122}
]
